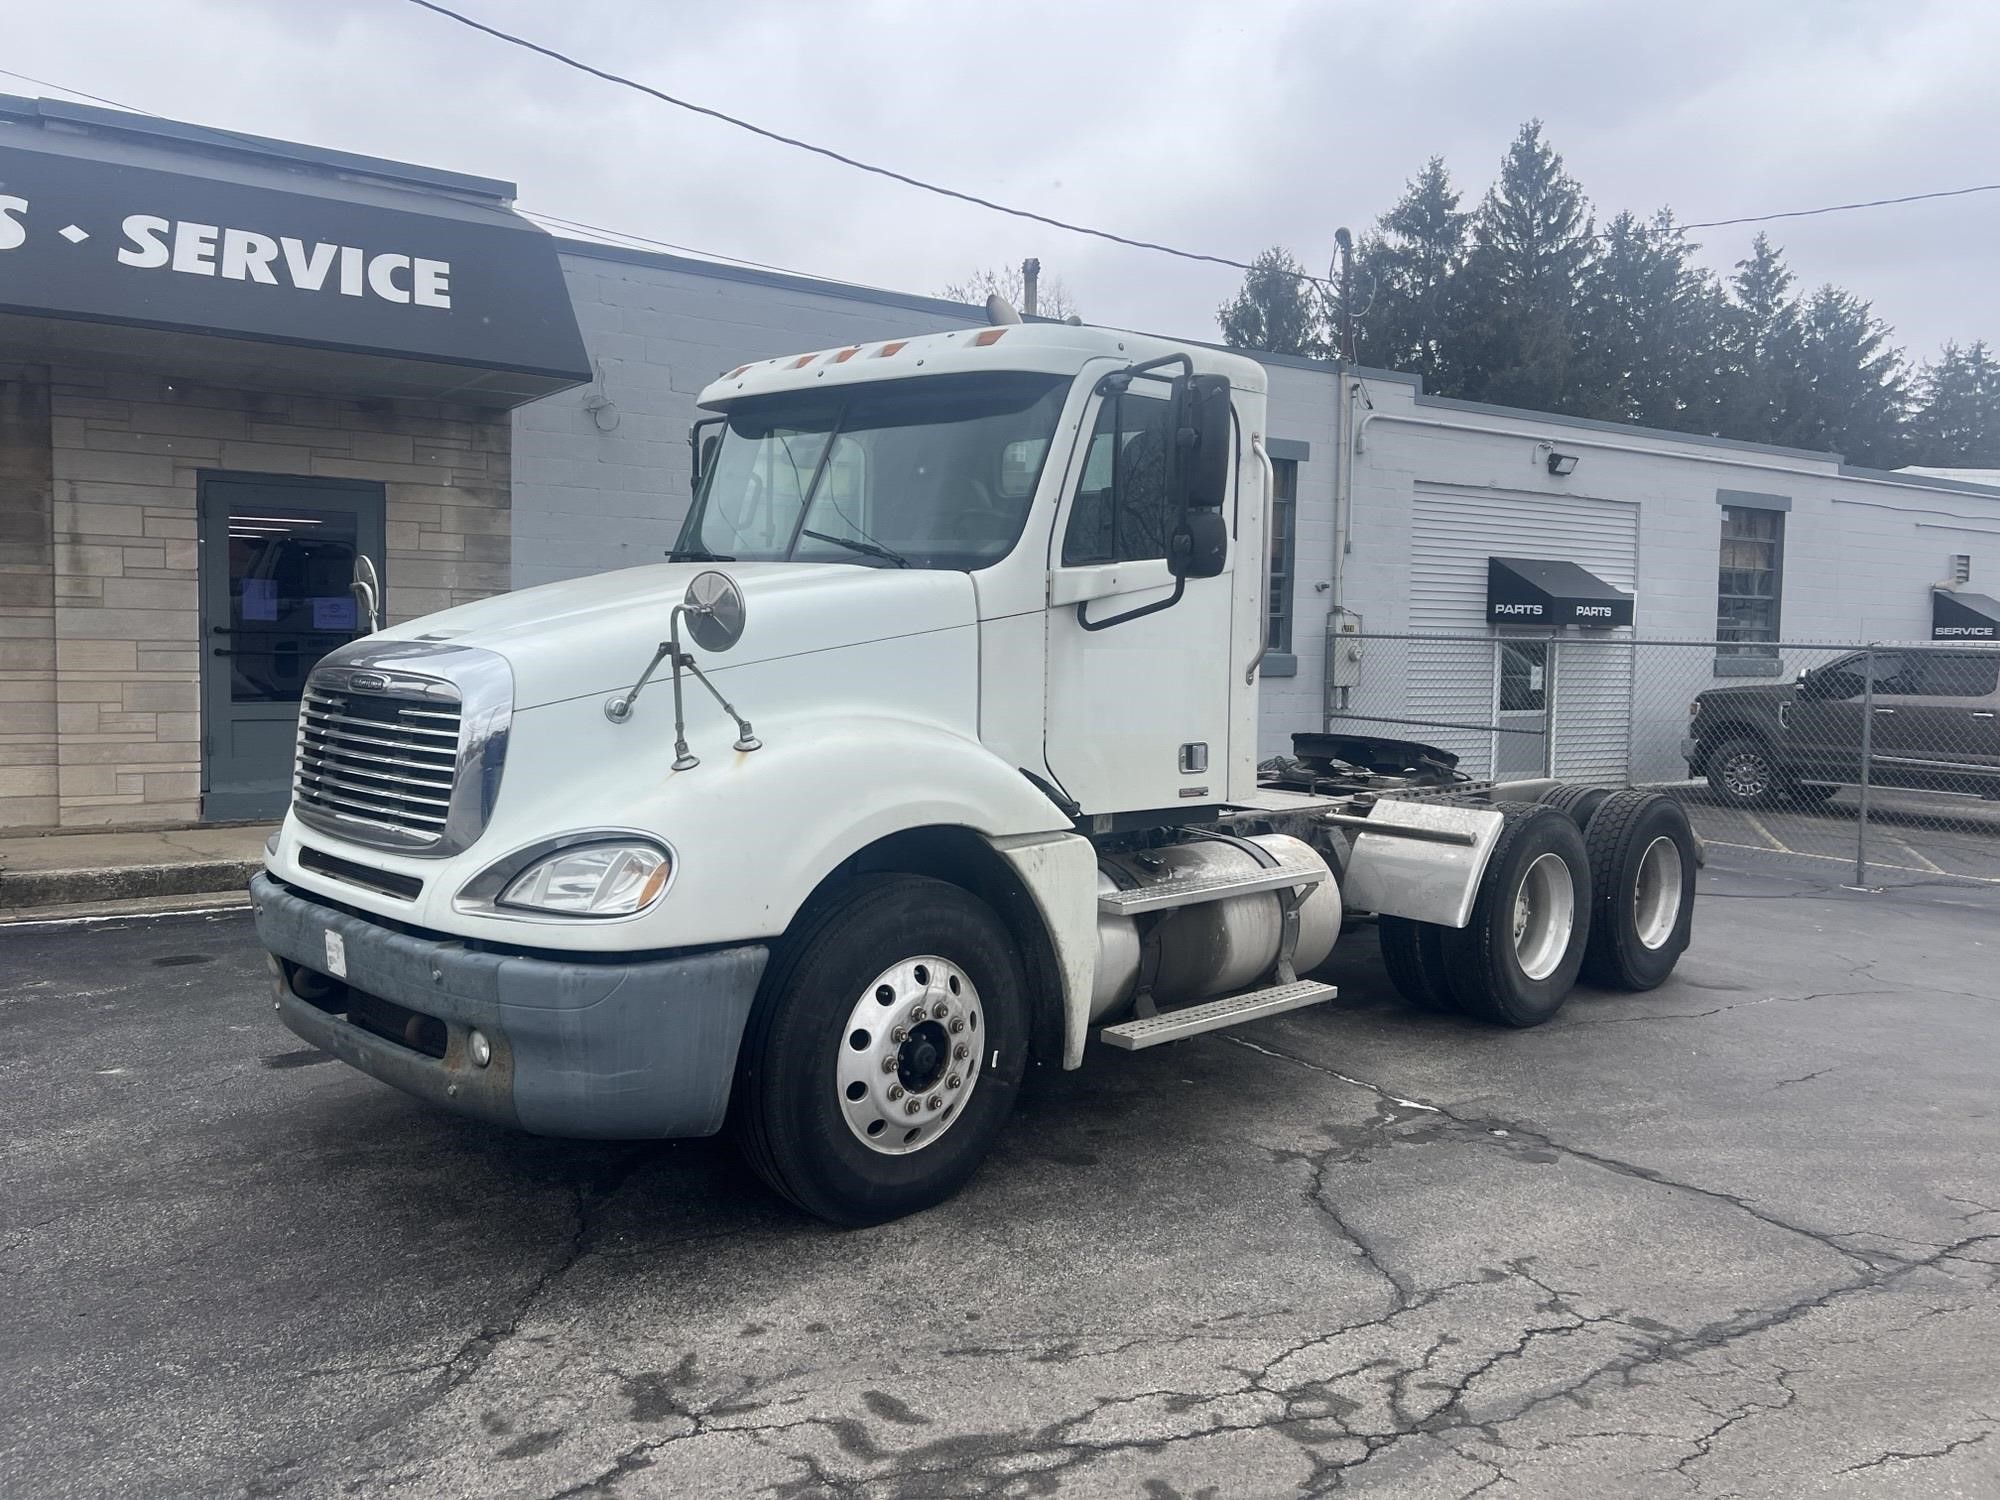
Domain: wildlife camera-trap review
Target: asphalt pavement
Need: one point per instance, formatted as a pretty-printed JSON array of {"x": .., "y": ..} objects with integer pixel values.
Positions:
[{"x": 1739, "y": 1236}]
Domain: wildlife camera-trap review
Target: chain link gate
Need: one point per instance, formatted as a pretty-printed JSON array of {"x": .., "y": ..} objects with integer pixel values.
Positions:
[{"x": 1880, "y": 759}]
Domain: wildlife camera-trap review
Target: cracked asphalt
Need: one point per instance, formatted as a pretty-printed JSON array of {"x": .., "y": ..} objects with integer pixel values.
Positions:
[{"x": 1736, "y": 1237}]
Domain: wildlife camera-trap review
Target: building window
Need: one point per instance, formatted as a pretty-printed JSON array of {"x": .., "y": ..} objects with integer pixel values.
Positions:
[
  {"x": 1284, "y": 518},
  {"x": 1524, "y": 679},
  {"x": 1748, "y": 582}
]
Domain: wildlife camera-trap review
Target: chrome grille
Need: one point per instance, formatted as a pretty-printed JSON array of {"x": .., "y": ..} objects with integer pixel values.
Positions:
[{"x": 387, "y": 761}]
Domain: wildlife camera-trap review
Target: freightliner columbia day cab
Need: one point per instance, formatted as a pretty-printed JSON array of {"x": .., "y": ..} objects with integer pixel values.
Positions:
[{"x": 930, "y": 752}]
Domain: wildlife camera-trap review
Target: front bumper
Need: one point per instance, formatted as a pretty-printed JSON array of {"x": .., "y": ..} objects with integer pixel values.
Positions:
[
  {"x": 610, "y": 1050},
  {"x": 1691, "y": 752}
]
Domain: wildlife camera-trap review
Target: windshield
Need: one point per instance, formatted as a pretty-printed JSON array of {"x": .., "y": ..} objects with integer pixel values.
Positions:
[{"x": 930, "y": 473}]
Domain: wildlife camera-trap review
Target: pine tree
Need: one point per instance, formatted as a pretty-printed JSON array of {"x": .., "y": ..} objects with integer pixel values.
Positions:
[
  {"x": 1532, "y": 249},
  {"x": 1652, "y": 339},
  {"x": 1277, "y": 309},
  {"x": 1764, "y": 385},
  {"x": 1956, "y": 423},
  {"x": 1856, "y": 389},
  {"x": 1406, "y": 282}
]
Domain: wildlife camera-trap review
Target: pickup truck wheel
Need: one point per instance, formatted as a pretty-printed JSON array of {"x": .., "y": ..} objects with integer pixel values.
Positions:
[
  {"x": 1741, "y": 772},
  {"x": 1642, "y": 862},
  {"x": 1413, "y": 954},
  {"x": 1515, "y": 962},
  {"x": 884, "y": 1051}
]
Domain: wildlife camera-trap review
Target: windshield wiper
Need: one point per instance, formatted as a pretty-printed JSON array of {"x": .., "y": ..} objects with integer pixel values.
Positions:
[
  {"x": 697, "y": 554},
  {"x": 870, "y": 549}
]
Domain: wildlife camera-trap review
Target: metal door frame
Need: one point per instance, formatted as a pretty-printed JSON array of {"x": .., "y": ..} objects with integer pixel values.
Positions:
[{"x": 371, "y": 537}]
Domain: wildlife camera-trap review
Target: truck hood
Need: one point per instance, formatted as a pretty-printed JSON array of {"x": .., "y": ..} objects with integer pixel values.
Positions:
[
  {"x": 594, "y": 635},
  {"x": 1748, "y": 693}
]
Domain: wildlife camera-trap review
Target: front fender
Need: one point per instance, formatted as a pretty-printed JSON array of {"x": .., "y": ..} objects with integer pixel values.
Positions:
[{"x": 753, "y": 833}]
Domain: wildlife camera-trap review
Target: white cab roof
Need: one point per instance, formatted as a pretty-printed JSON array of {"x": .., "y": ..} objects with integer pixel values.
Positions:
[{"x": 1051, "y": 348}]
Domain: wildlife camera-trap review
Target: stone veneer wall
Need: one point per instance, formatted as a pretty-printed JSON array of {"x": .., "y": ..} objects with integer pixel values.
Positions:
[
  {"x": 124, "y": 450},
  {"x": 27, "y": 602}
]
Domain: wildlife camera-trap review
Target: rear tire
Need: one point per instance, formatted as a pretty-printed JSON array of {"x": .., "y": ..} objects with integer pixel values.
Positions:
[
  {"x": 1413, "y": 954},
  {"x": 812, "y": 1109},
  {"x": 1642, "y": 862},
  {"x": 1516, "y": 961},
  {"x": 1580, "y": 802}
]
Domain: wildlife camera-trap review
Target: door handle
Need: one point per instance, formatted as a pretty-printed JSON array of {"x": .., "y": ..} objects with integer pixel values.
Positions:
[
  {"x": 1885, "y": 710},
  {"x": 1982, "y": 713}
]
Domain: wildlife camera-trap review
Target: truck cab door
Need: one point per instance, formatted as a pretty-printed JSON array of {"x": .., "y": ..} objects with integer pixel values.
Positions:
[
  {"x": 1823, "y": 721},
  {"x": 1137, "y": 710}
]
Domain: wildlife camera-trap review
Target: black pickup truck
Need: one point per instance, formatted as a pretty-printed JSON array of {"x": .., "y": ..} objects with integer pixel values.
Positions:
[{"x": 1932, "y": 726}]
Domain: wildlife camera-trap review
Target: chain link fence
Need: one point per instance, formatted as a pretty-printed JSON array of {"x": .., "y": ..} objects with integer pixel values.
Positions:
[{"x": 1883, "y": 758}]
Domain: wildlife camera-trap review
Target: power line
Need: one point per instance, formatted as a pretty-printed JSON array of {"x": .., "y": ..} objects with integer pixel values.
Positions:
[
  {"x": 1841, "y": 208},
  {"x": 830, "y": 154},
  {"x": 63, "y": 88}
]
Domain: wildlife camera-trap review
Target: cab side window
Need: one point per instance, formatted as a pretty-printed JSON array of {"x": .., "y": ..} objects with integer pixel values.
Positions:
[
  {"x": 1949, "y": 675},
  {"x": 1120, "y": 513}
]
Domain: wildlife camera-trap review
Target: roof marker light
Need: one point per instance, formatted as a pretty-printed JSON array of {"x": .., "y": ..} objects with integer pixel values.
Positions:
[
  {"x": 735, "y": 372},
  {"x": 804, "y": 359},
  {"x": 987, "y": 336},
  {"x": 846, "y": 354},
  {"x": 890, "y": 348}
]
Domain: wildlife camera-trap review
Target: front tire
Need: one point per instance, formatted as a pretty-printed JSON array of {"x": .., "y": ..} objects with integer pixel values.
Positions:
[
  {"x": 1516, "y": 961},
  {"x": 1743, "y": 773},
  {"x": 850, "y": 1103}
]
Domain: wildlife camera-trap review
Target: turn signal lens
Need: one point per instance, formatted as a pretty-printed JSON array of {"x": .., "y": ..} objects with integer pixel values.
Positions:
[{"x": 596, "y": 880}]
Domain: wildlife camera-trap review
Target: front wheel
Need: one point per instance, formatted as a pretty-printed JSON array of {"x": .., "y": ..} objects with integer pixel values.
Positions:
[
  {"x": 1743, "y": 773},
  {"x": 884, "y": 1051}
]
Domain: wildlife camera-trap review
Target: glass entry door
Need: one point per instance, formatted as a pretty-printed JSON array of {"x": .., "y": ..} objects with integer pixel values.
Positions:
[{"x": 277, "y": 555}]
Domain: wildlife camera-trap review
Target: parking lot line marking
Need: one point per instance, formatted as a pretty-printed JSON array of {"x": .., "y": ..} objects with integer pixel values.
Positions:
[
  {"x": 1756, "y": 823},
  {"x": 1918, "y": 855},
  {"x": 1848, "y": 859}
]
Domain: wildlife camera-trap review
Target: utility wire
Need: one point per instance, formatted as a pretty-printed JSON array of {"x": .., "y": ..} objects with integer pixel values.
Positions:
[
  {"x": 1841, "y": 208},
  {"x": 830, "y": 154},
  {"x": 63, "y": 88}
]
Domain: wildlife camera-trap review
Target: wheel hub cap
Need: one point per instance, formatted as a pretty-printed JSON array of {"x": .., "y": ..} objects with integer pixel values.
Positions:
[
  {"x": 910, "y": 1055},
  {"x": 1656, "y": 895},
  {"x": 1544, "y": 915}
]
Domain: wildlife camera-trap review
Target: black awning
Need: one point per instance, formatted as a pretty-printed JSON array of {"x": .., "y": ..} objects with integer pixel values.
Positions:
[
  {"x": 1964, "y": 617},
  {"x": 1543, "y": 591}
]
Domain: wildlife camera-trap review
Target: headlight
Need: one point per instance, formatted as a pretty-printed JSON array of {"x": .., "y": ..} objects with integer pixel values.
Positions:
[{"x": 592, "y": 880}]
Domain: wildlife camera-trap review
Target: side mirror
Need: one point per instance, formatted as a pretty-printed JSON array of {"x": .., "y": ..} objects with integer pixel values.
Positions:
[
  {"x": 702, "y": 446},
  {"x": 1200, "y": 546},
  {"x": 366, "y": 586},
  {"x": 1205, "y": 442}
]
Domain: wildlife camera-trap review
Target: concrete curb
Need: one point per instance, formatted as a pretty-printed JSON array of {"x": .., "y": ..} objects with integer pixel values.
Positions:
[{"x": 21, "y": 889}]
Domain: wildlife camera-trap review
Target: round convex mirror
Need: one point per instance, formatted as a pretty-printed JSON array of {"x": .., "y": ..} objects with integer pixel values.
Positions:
[{"x": 714, "y": 607}]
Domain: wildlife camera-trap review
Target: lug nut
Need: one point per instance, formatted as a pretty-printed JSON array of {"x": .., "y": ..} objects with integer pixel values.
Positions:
[
  {"x": 936, "y": 1101},
  {"x": 913, "y": 1107},
  {"x": 960, "y": 1052},
  {"x": 899, "y": 1034},
  {"x": 895, "y": 1091},
  {"x": 953, "y": 1081},
  {"x": 889, "y": 1063},
  {"x": 957, "y": 1025},
  {"x": 918, "y": 1014}
]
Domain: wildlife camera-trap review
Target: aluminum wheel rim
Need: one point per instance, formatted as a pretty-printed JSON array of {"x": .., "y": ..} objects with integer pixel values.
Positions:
[
  {"x": 1656, "y": 895},
  {"x": 909, "y": 1055},
  {"x": 1544, "y": 915},
  {"x": 1747, "y": 774}
]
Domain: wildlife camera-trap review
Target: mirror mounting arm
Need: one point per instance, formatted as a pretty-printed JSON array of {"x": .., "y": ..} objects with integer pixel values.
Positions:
[{"x": 618, "y": 710}]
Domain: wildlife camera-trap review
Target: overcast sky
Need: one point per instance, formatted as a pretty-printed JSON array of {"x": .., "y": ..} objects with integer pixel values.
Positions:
[{"x": 1220, "y": 127}]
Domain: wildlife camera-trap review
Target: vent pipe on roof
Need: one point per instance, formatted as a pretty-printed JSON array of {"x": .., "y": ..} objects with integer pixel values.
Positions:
[{"x": 1031, "y": 279}]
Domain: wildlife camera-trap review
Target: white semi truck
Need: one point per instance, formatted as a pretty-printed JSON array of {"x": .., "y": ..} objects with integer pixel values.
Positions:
[{"x": 929, "y": 752}]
